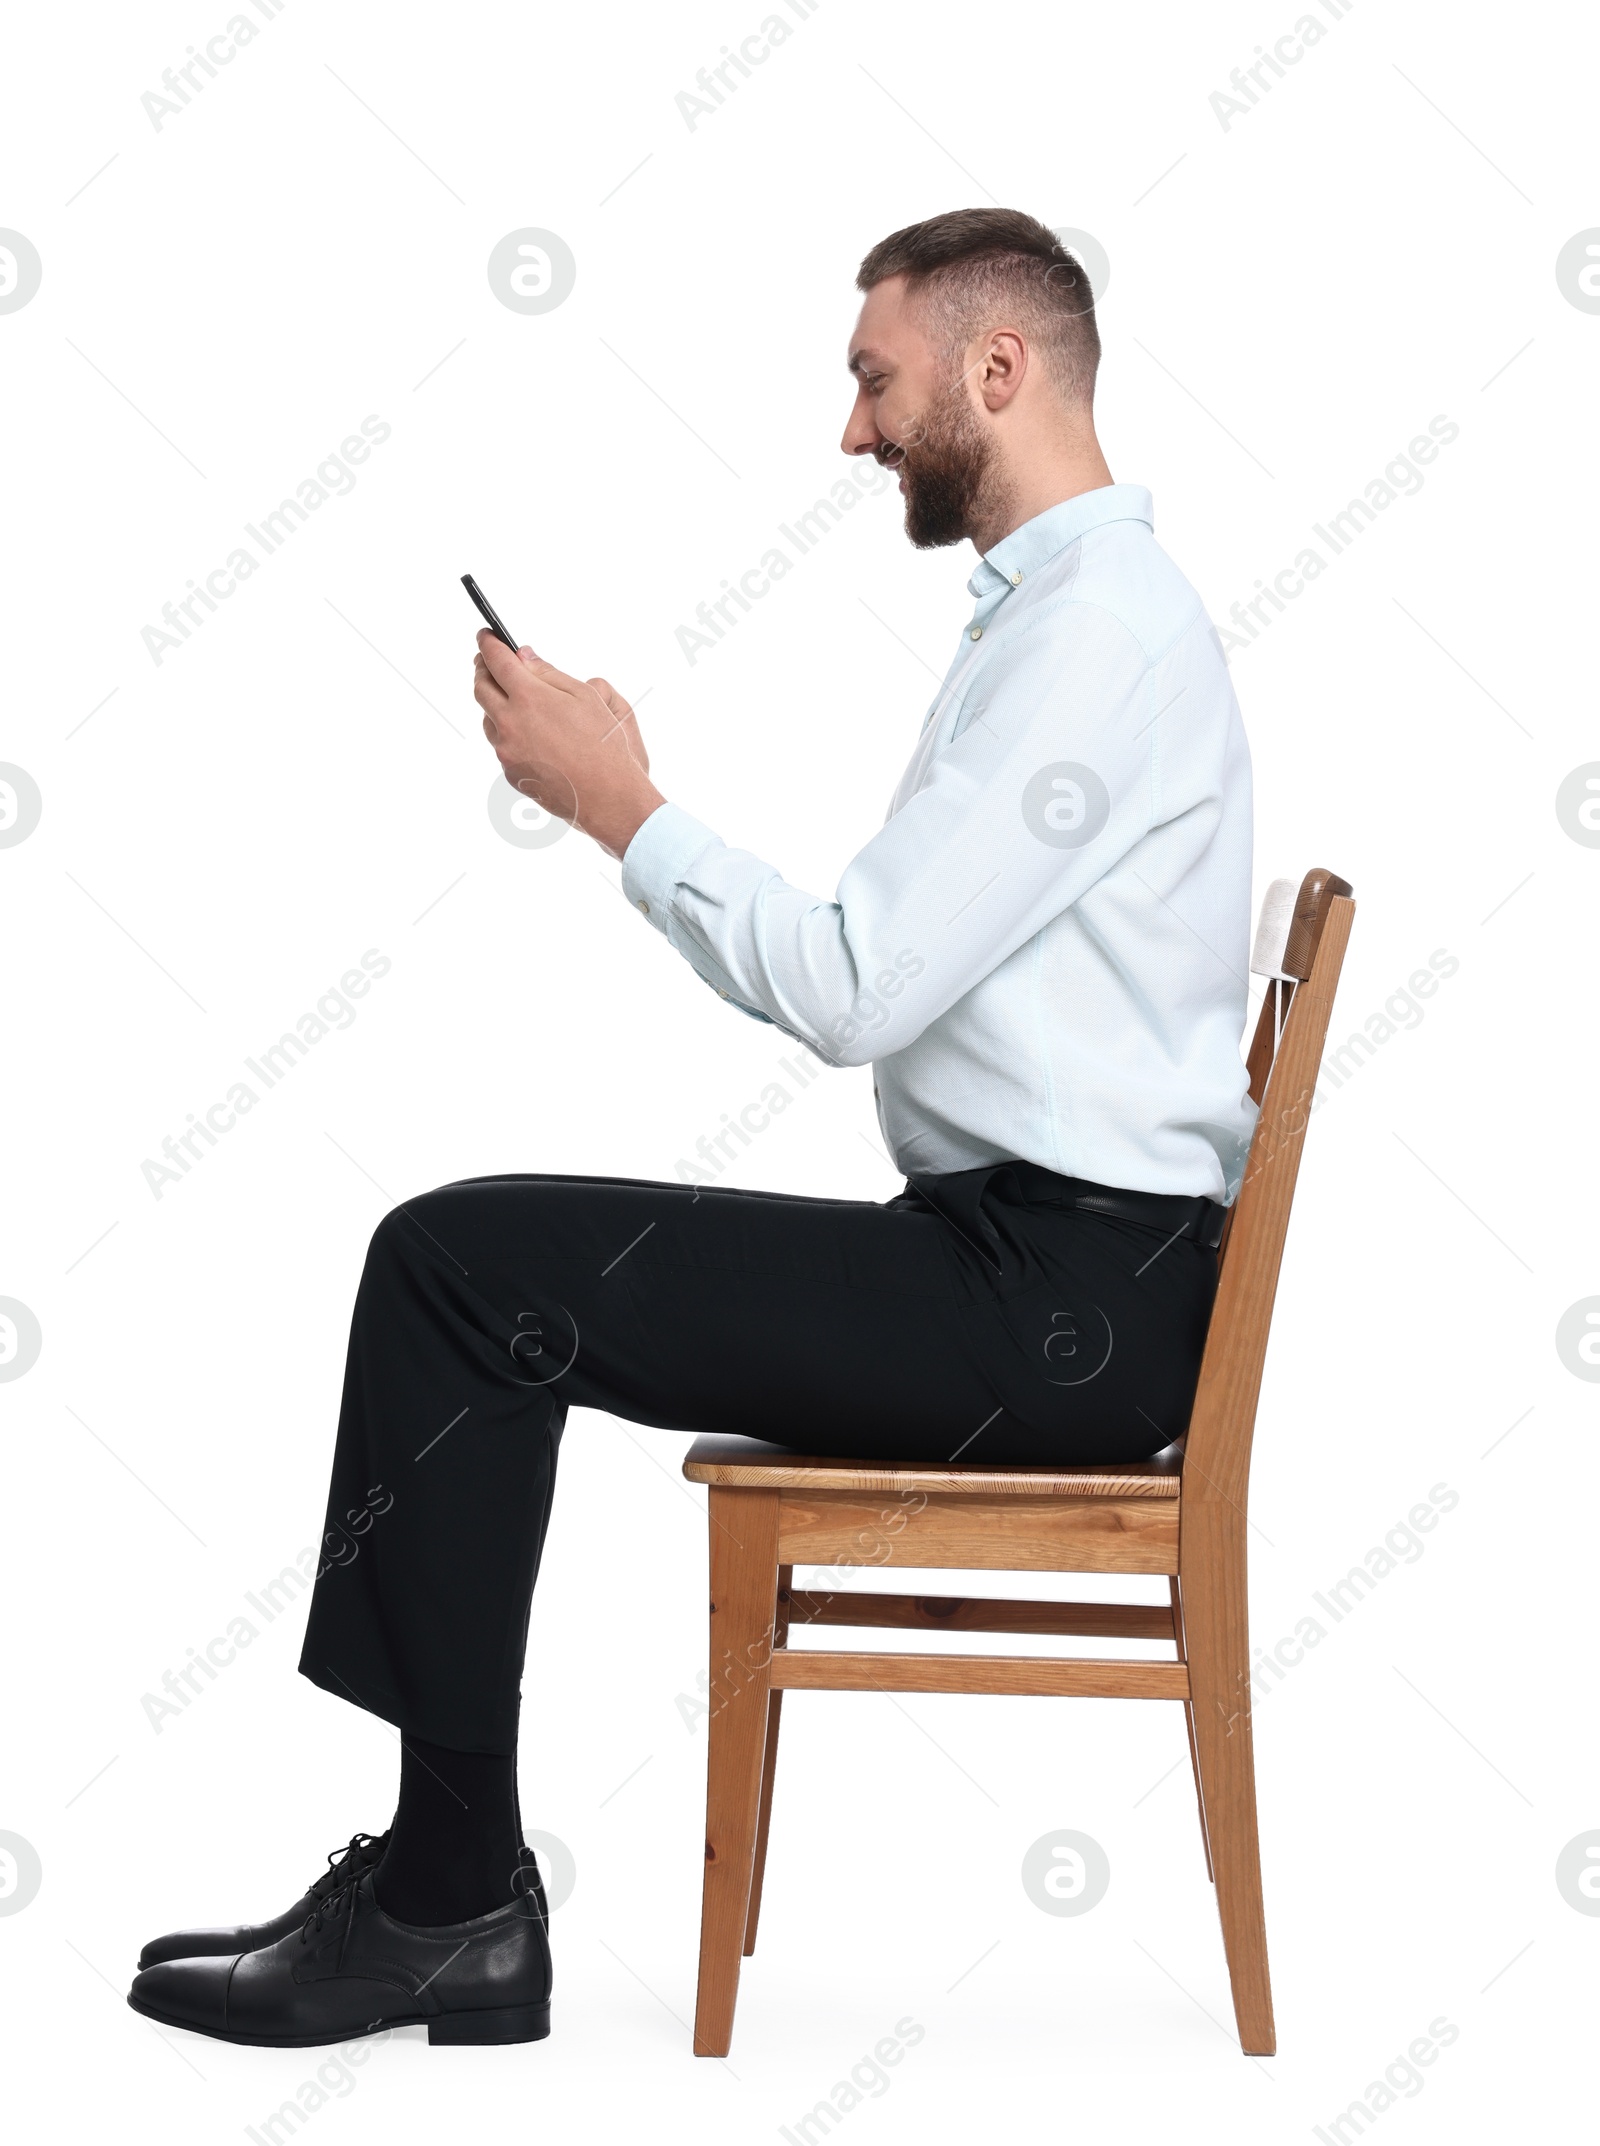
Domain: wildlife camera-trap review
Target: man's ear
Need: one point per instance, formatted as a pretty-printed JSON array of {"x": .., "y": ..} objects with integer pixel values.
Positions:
[{"x": 1001, "y": 367}]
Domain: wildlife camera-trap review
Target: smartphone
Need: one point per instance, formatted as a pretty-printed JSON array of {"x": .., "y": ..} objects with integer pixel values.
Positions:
[{"x": 488, "y": 611}]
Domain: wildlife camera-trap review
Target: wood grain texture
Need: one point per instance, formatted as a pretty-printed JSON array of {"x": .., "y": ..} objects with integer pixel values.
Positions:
[
  {"x": 1217, "y": 1631},
  {"x": 1264, "y": 1043},
  {"x": 1188, "y": 1718},
  {"x": 1007, "y": 1534},
  {"x": 744, "y": 1578},
  {"x": 1312, "y": 907},
  {"x": 769, "y": 1762},
  {"x": 1213, "y": 1563},
  {"x": 956, "y": 1613},
  {"x": 1217, "y": 1448},
  {"x": 749, "y": 1462},
  {"x": 1016, "y": 1675}
]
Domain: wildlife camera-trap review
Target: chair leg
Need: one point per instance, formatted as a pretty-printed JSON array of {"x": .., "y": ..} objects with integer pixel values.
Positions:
[
  {"x": 1216, "y": 1624},
  {"x": 1188, "y": 1721},
  {"x": 744, "y": 1579},
  {"x": 769, "y": 1765}
]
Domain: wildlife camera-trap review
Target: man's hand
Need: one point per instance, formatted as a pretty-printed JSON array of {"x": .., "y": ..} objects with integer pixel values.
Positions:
[{"x": 571, "y": 745}]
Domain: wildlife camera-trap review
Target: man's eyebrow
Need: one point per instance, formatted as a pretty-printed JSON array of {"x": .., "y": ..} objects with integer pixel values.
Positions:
[{"x": 859, "y": 360}]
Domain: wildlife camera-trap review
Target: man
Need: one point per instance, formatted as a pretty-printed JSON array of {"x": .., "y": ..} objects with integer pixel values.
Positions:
[{"x": 1043, "y": 956}]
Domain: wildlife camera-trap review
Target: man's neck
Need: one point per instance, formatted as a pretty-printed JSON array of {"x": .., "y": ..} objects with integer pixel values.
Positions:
[{"x": 1044, "y": 482}]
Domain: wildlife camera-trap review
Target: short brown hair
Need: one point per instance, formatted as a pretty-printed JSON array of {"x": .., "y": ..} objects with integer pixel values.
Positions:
[{"x": 974, "y": 268}]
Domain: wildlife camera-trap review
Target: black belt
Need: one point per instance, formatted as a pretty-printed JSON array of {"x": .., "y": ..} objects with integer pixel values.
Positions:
[{"x": 1174, "y": 1214}]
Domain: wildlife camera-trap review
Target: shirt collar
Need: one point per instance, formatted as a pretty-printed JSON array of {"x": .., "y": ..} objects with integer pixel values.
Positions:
[{"x": 1025, "y": 550}]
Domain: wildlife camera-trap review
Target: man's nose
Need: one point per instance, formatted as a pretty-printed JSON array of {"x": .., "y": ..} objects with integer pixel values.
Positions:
[{"x": 861, "y": 436}]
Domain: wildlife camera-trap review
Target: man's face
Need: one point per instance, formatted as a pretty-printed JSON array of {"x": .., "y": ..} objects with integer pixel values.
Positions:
[{"x": 915, "y": 417}]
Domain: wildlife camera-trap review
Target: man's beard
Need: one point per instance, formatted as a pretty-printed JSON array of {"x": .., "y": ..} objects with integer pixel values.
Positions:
[{"x": 946, "y": 472}]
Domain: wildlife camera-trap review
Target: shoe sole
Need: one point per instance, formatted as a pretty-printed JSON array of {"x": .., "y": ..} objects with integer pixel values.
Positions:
[{"x": 477, "y": 2030}]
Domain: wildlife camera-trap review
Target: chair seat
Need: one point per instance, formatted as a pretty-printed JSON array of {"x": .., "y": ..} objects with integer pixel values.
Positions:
[{"x": 752, "y": 1464}]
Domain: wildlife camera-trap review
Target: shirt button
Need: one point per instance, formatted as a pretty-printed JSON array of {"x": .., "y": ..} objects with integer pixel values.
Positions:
[
  {"x": 1016, "y": 577},
  {"x": 977, "y": 633},
  {"x": 643, "y": 906},
  {"x": 720, "y": 992}
]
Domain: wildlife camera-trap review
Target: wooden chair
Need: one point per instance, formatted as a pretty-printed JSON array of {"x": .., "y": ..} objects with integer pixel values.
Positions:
[{"x": 1181, "y": 1514}]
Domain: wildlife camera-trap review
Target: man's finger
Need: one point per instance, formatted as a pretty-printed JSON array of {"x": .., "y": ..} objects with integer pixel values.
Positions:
[
  {"x": 622, "y": 718},
  {"x": 609, "y": 694},
  {"x": 487, "y": 690},
  {"x": 502, "y": 665}
]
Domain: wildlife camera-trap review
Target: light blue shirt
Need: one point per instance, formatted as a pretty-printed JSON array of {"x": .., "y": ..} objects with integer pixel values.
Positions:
[{"x": 1043, "y": 952}]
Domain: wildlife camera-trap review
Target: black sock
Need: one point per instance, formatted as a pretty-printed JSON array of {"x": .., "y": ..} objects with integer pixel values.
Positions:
[{"x": 455, "y": 1848}]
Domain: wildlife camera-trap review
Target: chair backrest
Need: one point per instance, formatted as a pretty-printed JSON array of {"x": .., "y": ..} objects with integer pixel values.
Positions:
[{"x": 1284, "y": 1058}]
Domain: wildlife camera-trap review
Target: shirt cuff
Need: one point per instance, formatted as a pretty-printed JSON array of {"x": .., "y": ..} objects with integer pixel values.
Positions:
[
  {"x": 661, "y": 851},
  {"x": 653, "y": 866}
]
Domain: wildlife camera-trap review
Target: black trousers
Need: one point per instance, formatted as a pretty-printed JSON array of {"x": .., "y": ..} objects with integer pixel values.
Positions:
[{"x": 975, "y": 1317}]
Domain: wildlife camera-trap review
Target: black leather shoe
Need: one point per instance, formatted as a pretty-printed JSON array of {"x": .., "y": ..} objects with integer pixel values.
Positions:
[
  {"x": 352, "y": 1970},
  {"x": 363, "y": 1853}
]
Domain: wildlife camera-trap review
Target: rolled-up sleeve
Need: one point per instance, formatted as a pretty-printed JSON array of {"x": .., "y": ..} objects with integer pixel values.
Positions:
[{"x": 1051, "y": 781}]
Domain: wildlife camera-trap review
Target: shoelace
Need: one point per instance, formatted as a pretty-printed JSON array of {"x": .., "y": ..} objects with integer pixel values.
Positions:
[{"x": 347, "y": 1866}]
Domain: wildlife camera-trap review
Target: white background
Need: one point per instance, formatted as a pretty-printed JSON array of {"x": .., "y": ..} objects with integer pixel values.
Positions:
[{"x": 1292, "y": 298}]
